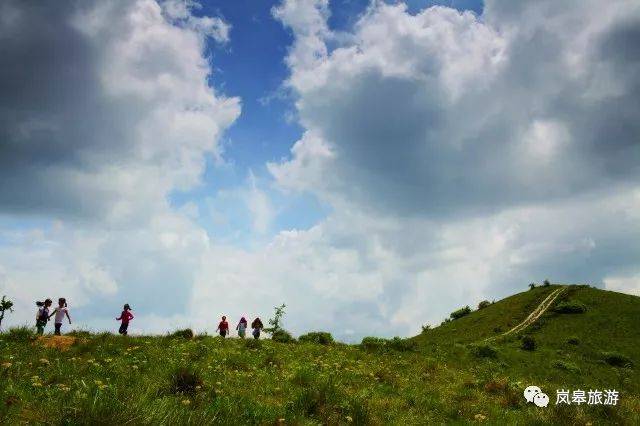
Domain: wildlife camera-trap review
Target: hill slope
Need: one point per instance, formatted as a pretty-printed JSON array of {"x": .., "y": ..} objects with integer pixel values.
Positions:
[{"x": 437, "y": 377}]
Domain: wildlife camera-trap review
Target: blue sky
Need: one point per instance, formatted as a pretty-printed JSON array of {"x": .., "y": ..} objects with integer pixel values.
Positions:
[
  {"x": 252, "y": 67},
  {"x": 196, "y": 159}
]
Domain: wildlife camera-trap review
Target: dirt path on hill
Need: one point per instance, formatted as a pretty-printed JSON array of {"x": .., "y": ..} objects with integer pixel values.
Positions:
[{"x": 533, "y": 316}]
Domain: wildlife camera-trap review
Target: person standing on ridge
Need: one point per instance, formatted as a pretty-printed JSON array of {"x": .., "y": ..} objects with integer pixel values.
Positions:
[
  {"x": 223, "y": 327},
  {"x": 242, "y": 327},
  {"x": 42, "y": 316},
  {"x": 125, "y": 317},
  {"x": 60, "y": 312},
  {"x": 256, "y": 325}
]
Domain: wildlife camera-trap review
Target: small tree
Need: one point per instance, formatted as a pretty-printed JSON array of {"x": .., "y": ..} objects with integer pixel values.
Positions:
[
  {"x": 5, "y": 305},
  {"x": 546, "y": 283},
  {"x": 532, "y": 286},
  {"x": 276, "y": 321}
]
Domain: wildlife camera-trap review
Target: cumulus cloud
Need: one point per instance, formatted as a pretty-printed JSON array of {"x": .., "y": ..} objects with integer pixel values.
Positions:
[
  {"x": 105, "y": 108},
  {"x": 448, "y": 113}
]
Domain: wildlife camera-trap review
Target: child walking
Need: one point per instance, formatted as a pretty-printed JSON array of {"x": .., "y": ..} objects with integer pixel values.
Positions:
[
  {"x": 256, "y": 325},
  {"x": 42, "y": 315},
  {"x": 125, "y": 317},
  {"x": 242, "y": 327},
  {"x": 223, "y": 327},
  {"x": 60, "y": 312}
]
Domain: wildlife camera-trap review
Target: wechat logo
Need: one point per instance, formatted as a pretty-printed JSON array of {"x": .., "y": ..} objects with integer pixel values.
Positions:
[{"x": 534, "y": 394}]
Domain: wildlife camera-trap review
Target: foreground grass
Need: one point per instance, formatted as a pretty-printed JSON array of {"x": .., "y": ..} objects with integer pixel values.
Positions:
[{"x": 151, "y": 380}]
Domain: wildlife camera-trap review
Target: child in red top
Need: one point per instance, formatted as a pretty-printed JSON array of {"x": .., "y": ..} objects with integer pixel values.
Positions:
[
  {"x": 223, "y": 327},
  {"x": 125, "y": 316}
]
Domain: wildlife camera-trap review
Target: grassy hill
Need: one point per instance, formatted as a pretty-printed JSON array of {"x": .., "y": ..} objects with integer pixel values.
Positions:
[{"x": 449, "y": 374}]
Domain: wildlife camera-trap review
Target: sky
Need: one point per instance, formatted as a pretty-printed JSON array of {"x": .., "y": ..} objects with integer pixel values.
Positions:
[{"x": 374, "y": 165}]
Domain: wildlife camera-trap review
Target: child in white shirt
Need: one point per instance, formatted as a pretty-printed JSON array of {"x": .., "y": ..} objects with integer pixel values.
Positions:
[{"x": 60, "y": 312}]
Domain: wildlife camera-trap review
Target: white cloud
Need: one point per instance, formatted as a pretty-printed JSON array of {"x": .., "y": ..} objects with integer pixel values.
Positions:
[
  {"x": 625, "y": 284},
  {"x": 123, "y": 106}
]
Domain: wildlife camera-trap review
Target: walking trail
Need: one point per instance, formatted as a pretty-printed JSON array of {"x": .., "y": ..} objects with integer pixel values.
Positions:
[{"x": 533, "y": 316}]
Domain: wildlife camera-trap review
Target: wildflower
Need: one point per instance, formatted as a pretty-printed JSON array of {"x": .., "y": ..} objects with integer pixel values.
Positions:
[
  {"x": 218, "y": 383},
  {"x": 98, "y": 382},
  {"x": 186, "y": 402},
  {"x": 349, "y": 419},
  {"x": 36, "y": 384},
  {"x": 480, "y": 417},
  {"x": 135, "y": 367},
  {"x": 198, "y": 387},
  {"x": 102, "y": 387},
  {"x": 44, "y": 361},
  {"x": 7, "y": 365}
]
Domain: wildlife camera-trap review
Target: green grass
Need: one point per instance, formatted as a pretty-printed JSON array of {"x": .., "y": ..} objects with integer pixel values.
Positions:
[{"x": 446, "y": 375}]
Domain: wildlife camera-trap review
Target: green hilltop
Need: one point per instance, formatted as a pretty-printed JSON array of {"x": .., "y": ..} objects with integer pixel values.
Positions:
[{"x": 468, "y": 370}]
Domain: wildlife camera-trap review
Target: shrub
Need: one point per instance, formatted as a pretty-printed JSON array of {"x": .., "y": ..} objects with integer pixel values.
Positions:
[
  {"x": 566, "y": 366},
  {"x": 617, "y": 359},
  {"x": 570, "y": 307},
  {"x": 483, "y": 304},
  {"x": 484, "y": 351},
  {"x": 186, "y": 333},
  {"x": 317, "y": 337},
  {"x": 573, "y": 340},
  {"x": 185, "y": 381},
  {"x": 20, "y": 334},
  {"x": 528, "y": 343},
  {"x": 402, "y": 345},
  {"x": 425, "y": 328},
  {"x": 282, "y": 336},
  {"x": 460, "y": 313},
  {"x": 446, "y": 321},
  {"x": 546, "y": 283},
  {"x": 373, "y": 343},
  {"x": 532, "y": 286}
]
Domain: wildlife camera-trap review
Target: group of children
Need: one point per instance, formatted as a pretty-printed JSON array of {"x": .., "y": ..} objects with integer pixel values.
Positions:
[
  {"x": 256, "y": 326},
  {"x": 43, "y": 315}
]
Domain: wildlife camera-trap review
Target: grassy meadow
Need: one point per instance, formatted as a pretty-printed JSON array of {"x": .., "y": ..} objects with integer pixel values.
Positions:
[{"x": 447, "y": 375}]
